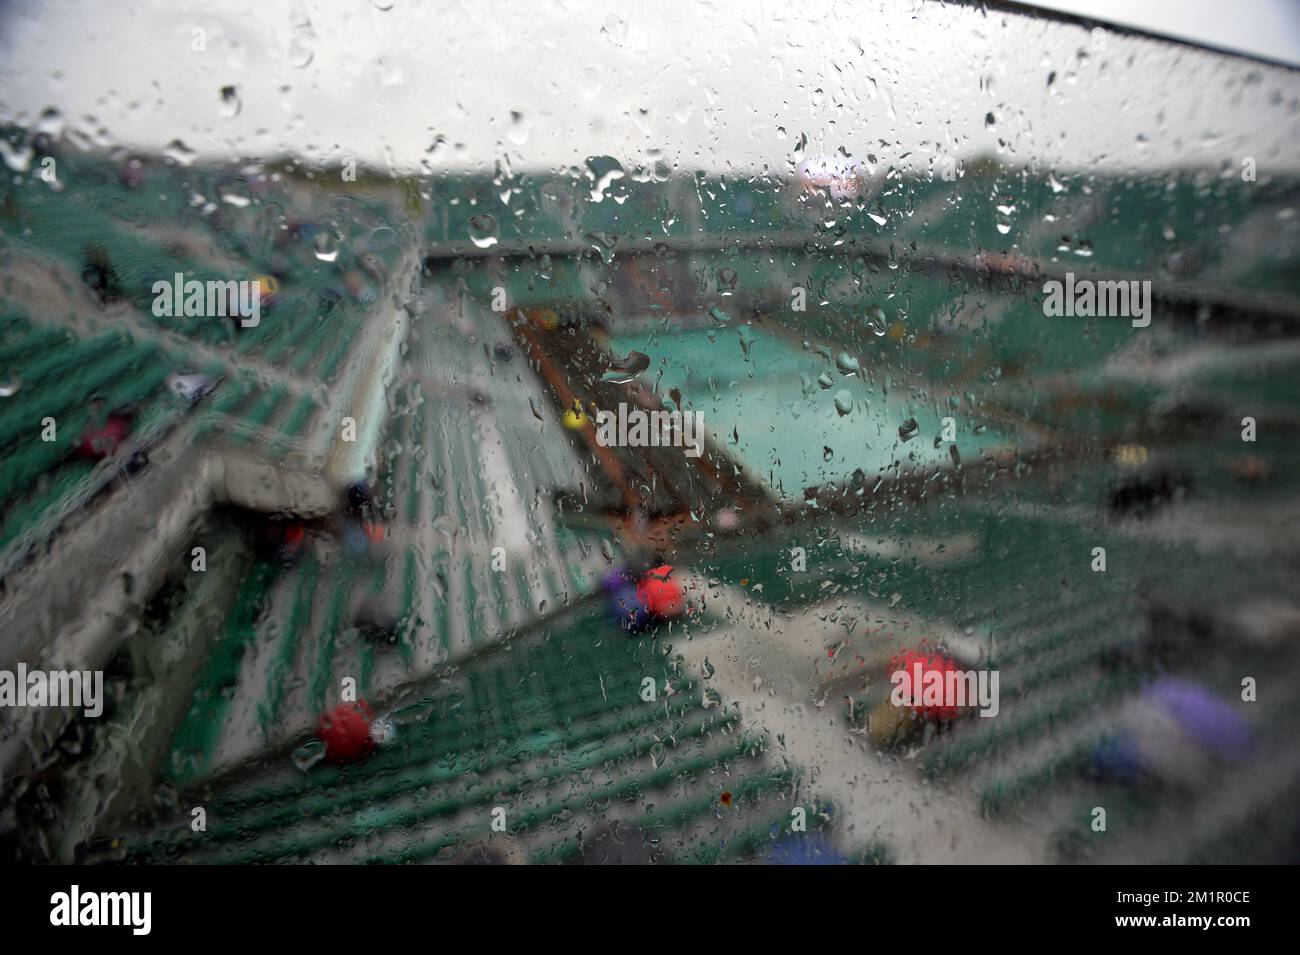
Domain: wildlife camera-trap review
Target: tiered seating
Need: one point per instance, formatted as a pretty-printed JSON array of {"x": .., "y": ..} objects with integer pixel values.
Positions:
[
  {"x": 458, "y": 479},
  {"x": 137, "y": 237},
  {"x": 550, "y": 729},
  {"x": 1072, "y": 647},
  {"x": 77, "y": 381},
  {"x": 474, "y": 625}
]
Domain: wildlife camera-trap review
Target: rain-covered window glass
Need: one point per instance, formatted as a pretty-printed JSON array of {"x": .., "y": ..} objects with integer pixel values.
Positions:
[{"x": 768, "y": 433}]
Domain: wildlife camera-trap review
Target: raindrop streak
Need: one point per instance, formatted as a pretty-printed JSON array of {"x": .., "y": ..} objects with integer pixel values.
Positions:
[
  {"x": 302, "y": 44},
  {"x": 230, "y": 102}
]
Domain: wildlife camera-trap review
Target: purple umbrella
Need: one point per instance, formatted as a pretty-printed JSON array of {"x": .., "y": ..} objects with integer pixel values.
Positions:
[{"x": 1210, "y": 721}]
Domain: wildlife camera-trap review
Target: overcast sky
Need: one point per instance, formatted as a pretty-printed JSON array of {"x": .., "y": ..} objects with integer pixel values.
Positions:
[
  {"x": 726, "y": 85},
  {"x": 1269, "y": 29}
]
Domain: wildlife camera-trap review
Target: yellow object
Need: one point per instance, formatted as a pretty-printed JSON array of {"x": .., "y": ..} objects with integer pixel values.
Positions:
[
  {"x": 896, "y": 332},
  {"x": 1130, "y": 455},
  {"x": 269, "y": 284},
  {"x": 574, "y": 419},
  {"x": 546, "y": 319},
  {"x": 893, "y": 725}
]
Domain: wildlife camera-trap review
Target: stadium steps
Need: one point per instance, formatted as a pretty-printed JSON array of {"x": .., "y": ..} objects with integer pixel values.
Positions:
[
  {"x": 284, "y": 655},
  {"x": 456, "y": 485},
  {"x": 59, "y": 376}
]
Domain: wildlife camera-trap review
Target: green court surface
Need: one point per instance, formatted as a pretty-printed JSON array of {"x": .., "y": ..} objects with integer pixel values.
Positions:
[{"x": 798, "y": 419}]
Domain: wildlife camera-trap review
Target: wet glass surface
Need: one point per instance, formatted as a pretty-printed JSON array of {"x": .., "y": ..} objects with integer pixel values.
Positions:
[{"x": 855, "y": 435}]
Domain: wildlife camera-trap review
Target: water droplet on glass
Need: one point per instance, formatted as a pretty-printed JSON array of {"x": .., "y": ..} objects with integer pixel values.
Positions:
[
  {"x": 623, "y": 370},
  {"x": 483, "y": 230},
  {"x": 604, "y": 171},
  {"x": 309, "y": 754},
  {"x": 614, "y": 30},
  {"x": 438, "y": 146},
  {"x": 327, "y": 244},
  {"x": 519, "y": 129},
  {"x": 843, "y": 402},
  {"x": 302, "y": 44},
  {"x": 17, "y": 158},
  {"x": 604, "y": 244},
  {"x": 1005, "y": 212},
  {"x": 179, "y": 153},
  {"x": 230, "y": 102},
  {"x": 383, "y": 731}
]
